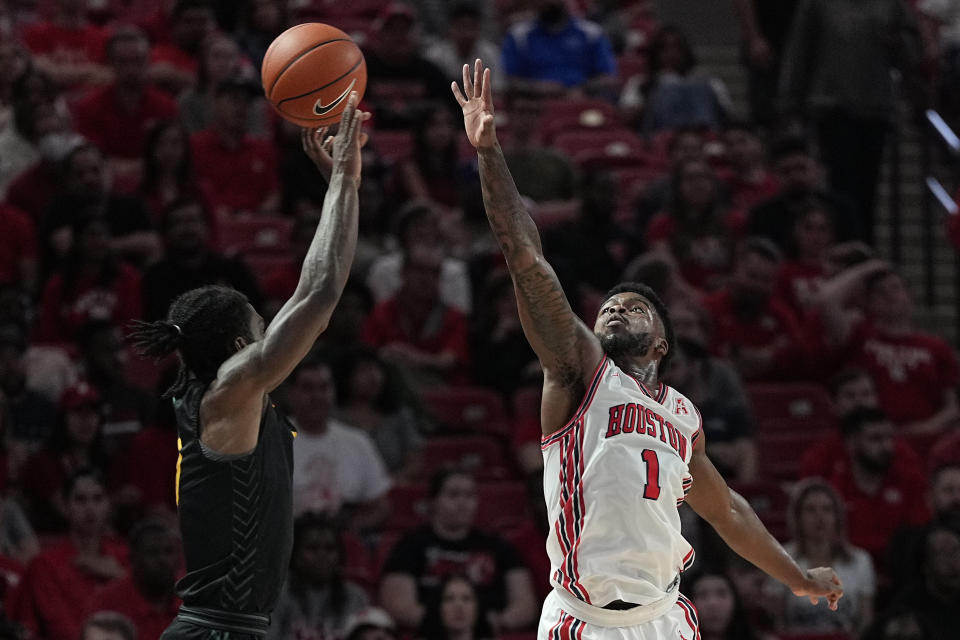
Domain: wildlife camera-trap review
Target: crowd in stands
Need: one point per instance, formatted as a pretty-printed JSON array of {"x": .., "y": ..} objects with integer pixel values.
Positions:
[{"x": 139, "y": 159}]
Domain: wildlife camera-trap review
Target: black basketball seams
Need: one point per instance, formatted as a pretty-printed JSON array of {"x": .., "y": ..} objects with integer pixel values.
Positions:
[
  {"x": 300, "y": 55},
  {"x": 334, "y": 81}
]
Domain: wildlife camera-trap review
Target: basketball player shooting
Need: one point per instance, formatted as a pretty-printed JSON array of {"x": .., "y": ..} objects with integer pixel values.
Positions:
[
  {"x": 234, "y": 476},
  {"x": 621, "y": 449}
]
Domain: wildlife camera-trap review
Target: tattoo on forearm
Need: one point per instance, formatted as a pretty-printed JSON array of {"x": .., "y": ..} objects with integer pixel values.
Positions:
[{"x": 509, "y": 220}]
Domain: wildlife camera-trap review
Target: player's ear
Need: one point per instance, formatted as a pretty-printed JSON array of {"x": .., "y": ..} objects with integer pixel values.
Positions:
[{"x": 662, "y": 347}]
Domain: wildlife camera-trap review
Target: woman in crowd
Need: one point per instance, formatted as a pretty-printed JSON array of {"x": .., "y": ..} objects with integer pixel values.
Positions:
[
  {"x": 167, "y": 168},
  {"x": 458, "y": 615},
  {"x": 721, "y": 615},
  {"x": 816, "y": 516}
]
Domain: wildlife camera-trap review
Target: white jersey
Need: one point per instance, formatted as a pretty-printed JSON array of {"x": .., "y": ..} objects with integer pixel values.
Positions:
[{"x": 613, "y": 479}]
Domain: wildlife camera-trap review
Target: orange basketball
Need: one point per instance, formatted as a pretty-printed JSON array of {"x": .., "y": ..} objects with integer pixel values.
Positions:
[{"x": 309, "y": 71}]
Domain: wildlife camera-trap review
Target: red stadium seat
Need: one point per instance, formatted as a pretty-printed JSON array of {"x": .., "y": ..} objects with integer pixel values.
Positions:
[
  {"x": 263, "y": 265},
  {"x": 470, "y": 409},
  {"x": 481, "y": 455},
  {"x": 791, "y": 407},
  {"x": 408, "y": 506},
  {"x": 770, "y": 503},
  {"x": 779, "y": 454},
  {"x": 502, "y": 505},
  {"x": 255, "y": 234},
  {"x": 358, "y": 563},
  {"x": 570, "y": 115},
  {"x": 610, "y": 149}
]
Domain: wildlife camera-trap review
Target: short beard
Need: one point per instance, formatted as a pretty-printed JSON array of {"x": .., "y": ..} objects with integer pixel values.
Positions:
[{"x": 626, "y": 345}]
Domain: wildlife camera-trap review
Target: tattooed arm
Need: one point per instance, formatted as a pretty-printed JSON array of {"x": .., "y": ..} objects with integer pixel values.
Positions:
[{"x": 567, "y": 349}]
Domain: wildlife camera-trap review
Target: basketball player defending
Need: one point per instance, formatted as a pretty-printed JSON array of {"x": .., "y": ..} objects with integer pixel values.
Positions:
[
  {"x": 621, "y": 449},
  {"x": 234, "y": 476}
]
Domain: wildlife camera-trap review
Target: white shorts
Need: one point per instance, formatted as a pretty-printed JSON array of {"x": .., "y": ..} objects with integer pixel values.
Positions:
[{"x": 679, "y": 622}]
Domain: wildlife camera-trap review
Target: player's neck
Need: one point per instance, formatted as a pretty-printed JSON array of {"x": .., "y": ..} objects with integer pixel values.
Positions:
[{"x": 643, "y": 370}]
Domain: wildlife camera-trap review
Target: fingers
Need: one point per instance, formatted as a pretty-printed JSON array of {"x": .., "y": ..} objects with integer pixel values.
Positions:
[
  {"x": 477, "y": 78},
  {"x": 486, "y": 92},
  {"x": 348, "y": 112},
  {"x": 457, "y": 94},
  {"x": 467, "y": 85}
]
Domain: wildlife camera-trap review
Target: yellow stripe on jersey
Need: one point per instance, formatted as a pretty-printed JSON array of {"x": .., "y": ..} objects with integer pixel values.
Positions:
[{"x": 179, "y": 461}]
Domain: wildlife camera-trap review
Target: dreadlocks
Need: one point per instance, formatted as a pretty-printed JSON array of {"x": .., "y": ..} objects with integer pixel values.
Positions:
[{"x": 202, "y": 326}]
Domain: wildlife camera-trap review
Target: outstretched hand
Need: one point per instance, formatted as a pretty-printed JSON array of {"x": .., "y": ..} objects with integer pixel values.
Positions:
[
  {"x": 326, "y": 151},
  {"x": 477, "y": 104},
  {"x": 821, "y": 582}
]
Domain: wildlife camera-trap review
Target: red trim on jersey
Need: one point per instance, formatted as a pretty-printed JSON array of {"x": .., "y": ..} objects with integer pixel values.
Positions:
[
  {"x": 581, "y": 508},
  {"x": 690, "y": 613},
  {"x": 556, "y": 624},
  {"x": 546, "y": 441},
  {"x": 698, "y": 432},
  {"x": 569, "y": 525},
  {"x": 563, "y": 632}
]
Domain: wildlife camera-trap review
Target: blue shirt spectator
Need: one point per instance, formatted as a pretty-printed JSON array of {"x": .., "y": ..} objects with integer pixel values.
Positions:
[{"x": 557, "y": 48}]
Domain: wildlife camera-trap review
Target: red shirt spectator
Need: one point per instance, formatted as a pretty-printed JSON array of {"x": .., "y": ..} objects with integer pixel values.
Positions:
[
  {"x": 238, "y": 177},
  {"x": 121, "y": 595},
  {"x": 18, "y": 247},
  {"x": 120, "y": 129},
  {"x": 64, "y": 44},
  {"x": 33, "y": 190},
  {"x": 704, "y": 257},
  {"x": 69, "y": 301},
  {"x": 150, "y": 467},
  {"x": 913, "y": 370},
  {"x": 54, "y": 588},
  {"x": 798, "y": 283}
]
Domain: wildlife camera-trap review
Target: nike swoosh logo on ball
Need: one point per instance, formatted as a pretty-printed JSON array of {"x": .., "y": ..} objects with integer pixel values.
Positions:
[{"x": 321, "y": 109}]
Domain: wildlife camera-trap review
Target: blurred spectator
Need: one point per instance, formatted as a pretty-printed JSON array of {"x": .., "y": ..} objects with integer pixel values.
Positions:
[
  {"x": 800, "y": 177},
  {"x": 586, "y": 274},
  {"x": 696, "y": 228},
  {"x": 83, "y": 194},
  {"x": 555, "y": 53},
  {"x": 418, "y": 225},
  {"x": 851, "y": 389},
  {"x": 238, "y": 171},
  {"x": 346, "y": 324},
  {"x": 880, "y": 496},
  {"x": 190, "y": 263},
  {"x": 674, "y": 92},
  {"x": 61, "y": 578},
  {"x": 944, "y": 501},
  {"x": 92, "y": 285},
  {"x": 898, "y": 624},
  {"x": 370, "y": 397},
  {"x": 451, "y": 545},
  {"x": 126, "y": 409},
  {"x": 37, "y": 113},
  {"x": 116, "y": 117},
  {"x": 15, "y": 60},
  {"x": 33, "y": 190},
  {"x": 415, "y": 329},
  {"x": 458, "y": 614},
  {"x": 220, "y": 60},
  {"x": 18, "y": 249},
  {"x": 916, "y": 373},
  {"x": 747, "y": 177},
  {"x": 146, "y": 596},
  {"x": 933, "y": 595},
  {"x": 803, "y": 272},
  {"x": 759, "y": 334},
  {"x": 317, "y": 602},
  {"x": 68, "y": 47},
  {"x": 174, "y": 62},
  {"x": 660, "y": 272},
  {"x": 685, "y": 144},
  {"x": 464, "y": 43},
  {"x": 400, "y": 81},
  {"x": 502, "y": 357},
  {"x": 280, "y": 283},
  {"x": 31, "y": 414},
  {"x": 168, "y": 174},
  {"x": 370, "y": 624},
  {"x": 77, "y": 443},
  {"x": 338, "y": 471},
  {"x": 264, "y": 21},
  {"x": 433, "y": 173},
  {"x": 108, "y": 625},
  {"x": 18, "y": 542},
  {"x": 437, "y": 18},
  {"x": 837, "y": 71},
  {"x": 715, "y": 388},
  {"x": 540, "y": 172},
  {"x": 764, "y": 29},
  {"x": 719, "y": 608},
  {"x": 817, "y": 520}
]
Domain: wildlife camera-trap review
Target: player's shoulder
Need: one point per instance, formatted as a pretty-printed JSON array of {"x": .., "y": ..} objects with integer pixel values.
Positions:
[{"x": 682, "y": 408}]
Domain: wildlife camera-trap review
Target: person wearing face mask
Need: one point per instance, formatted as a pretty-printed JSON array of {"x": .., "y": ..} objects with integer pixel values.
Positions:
[{"x": 556, "y": 54}]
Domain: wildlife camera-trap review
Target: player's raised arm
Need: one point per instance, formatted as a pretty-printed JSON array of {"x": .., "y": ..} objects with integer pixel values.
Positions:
[
  {"x": 735, "y": 520},
  {"x": 567, "y": 349},
  {"x": 291, "y": 334}
]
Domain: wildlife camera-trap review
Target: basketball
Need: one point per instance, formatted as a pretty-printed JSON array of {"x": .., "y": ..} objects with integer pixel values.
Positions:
[{"x": 309, "y": 71}]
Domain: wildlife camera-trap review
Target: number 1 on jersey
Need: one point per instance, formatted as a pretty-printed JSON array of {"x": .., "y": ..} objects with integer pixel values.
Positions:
[{"x": 651, "y": 491}]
